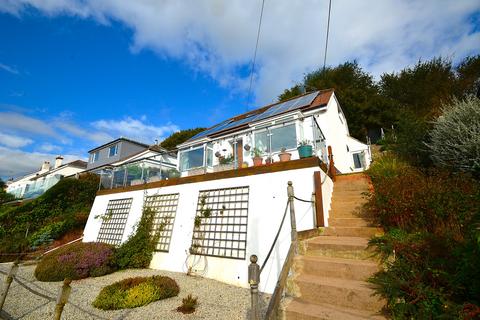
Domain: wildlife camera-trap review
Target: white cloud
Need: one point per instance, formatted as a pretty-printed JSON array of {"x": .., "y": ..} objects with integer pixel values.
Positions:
[
  {"x": 48, "y": 147},
  {"x": 14, "y": 141},
  {"x": 218, "y": 37},
  {"x": 14, "y": 162},
  {"x": 23, "y": 124},
  {"x": 10, "y": 69},
  {"x": 75, "y": 130},
  {"x": 135, "y": 129}
]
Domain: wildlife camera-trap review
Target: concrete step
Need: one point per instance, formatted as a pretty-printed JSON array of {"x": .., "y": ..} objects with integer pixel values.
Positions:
[
  {"x": 335, "y": 267},
  {"x": 363, "y": 232},
  {"x": 297, "y": 309},
  {"x": 347, "y": 222},
  {"x": 360, "y": 187},
  {"x": 351, "y": 200},
  {"x": 337, "y": 292},
  {"x": 338, "y": 247}
]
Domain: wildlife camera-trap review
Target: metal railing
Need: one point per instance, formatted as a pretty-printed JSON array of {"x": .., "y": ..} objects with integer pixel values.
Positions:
[{"x": 254, "y": 270}]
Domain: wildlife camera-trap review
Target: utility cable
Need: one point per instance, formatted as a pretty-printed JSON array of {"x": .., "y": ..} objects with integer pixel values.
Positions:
[
  {"x": 328, "y": 31},
  {"x": 255, "y": 54}
]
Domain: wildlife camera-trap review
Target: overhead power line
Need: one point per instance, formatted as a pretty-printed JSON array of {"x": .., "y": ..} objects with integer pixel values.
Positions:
[
  {"x": 255, "y": 55},
  {"x": 328, "y": 31}
]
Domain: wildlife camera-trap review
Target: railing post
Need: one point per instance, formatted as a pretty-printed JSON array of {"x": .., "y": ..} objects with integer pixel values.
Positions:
[
  {"x": 8, "y": 281},
  {"x": 62, "y": 298},
  {"x": 254, "y": 280},
  {"x": 293, "y": 222},
  {"x": 331, "y": 164}
]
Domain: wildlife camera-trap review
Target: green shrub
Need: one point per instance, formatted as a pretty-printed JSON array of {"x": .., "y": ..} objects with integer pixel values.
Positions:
[
  {"x": 455, "y": 137},
  {"x": 431, "y": 249},
  {"x": 189, "y": 303},
  {"x": 135, "y": 292},
  {"x": 77, "y": 261},
  {"x": 137, "y": 251},
  {"x": 63, "y": 207}
]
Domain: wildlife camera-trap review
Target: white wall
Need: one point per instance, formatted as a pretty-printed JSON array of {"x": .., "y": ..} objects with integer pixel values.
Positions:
[{"x": 267, "y": 200}]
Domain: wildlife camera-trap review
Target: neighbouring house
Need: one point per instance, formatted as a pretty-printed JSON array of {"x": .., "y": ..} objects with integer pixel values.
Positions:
[
  {"x": 315, "y": 118},
  {"x": 36, "y": 183},
  {"x": 223, "y": 209},
  {"x": 114, "y": 151},
  {"x": 152, "y": 163}
]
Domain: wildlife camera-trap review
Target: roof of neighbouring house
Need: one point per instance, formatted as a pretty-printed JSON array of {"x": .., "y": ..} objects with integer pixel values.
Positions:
[
  {"x": 76, "y": 164},
  {"x": 117, "y": 140},
  {"x": 303, "y": 102}
]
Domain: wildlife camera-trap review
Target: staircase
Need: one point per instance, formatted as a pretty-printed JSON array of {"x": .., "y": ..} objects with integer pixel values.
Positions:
[{"x": 329, "y": 274}]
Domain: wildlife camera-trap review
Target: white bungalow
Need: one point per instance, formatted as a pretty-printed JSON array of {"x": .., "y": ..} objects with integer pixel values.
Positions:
[{"x": 314, "y": 119}]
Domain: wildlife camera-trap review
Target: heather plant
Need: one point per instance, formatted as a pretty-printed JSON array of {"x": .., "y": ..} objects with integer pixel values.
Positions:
[
  {"x": 455, "y": 137},
  {"x": 135, "y": 292},
  {"x": 77, "y": 261}
]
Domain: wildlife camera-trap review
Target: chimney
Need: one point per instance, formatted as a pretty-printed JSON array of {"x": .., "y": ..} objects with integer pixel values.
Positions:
[
  {"x": 58, "y": 161},
  {"x": 45, "y": 167}
]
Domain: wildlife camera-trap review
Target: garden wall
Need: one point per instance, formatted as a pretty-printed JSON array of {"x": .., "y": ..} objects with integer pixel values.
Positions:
[{"x": 244, "y": 216}]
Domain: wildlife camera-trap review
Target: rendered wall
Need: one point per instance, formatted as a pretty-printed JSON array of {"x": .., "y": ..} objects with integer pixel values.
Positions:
[{"x": 267, "y": 200}]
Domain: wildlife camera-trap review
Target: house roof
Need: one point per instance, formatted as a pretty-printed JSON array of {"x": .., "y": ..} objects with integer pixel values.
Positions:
[
  {"x": 117, "y": 140},
  {"x": 303, "y": 102},
  {"x": 77, "y": 164}
]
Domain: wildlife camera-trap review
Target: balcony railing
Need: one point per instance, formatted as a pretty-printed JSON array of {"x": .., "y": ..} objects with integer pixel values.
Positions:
[{"x": 138, "y": 172}]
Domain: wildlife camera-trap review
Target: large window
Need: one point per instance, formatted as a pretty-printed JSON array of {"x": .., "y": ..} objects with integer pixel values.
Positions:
[
  {"x": 113, "y": 150},
  {"x": 284, "y": 137},
  {"x": 191, "y": 159},
  {"x": 276, "y": 138}
]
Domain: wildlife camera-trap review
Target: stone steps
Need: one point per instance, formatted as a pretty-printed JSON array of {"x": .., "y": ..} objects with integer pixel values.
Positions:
[
  {"x": 298, "y": 309},
  {"x": 329, "y": 276},
  {"x": 335, "y": 267},
  {"x": 347, "y": 222},
  {"x": 364, "y": 232},
  {"x": 338, "y": 247},
  {"x": 336, "y": 291}
]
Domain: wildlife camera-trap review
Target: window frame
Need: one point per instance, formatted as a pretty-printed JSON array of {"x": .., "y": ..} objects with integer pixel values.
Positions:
[
  {"x": 110, "y": 150},
  {"x": 202, "y": 147}
]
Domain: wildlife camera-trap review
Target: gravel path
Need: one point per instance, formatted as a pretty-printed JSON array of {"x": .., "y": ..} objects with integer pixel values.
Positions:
[{"x": 217, "y": 300}]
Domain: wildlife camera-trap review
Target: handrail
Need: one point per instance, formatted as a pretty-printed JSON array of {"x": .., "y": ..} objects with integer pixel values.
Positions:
[{"x": 276, "y": 238}]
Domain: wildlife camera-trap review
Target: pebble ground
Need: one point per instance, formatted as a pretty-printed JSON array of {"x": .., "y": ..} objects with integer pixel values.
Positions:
[{"x": 217, "y": 300}]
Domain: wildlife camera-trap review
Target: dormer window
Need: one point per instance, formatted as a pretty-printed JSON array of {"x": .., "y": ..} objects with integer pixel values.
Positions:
[
  {"x": 112, "y": 151},
  {"x": 94, "y": 157}
]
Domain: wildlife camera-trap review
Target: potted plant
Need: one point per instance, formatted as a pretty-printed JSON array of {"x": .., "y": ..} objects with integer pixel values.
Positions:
[
  {"x": 284, "y": 155},
  {"x": 269, "y": 160},
  {"x": 224, "y": 163},
  {"x": 257, "y": 157},
  {"x": 304, "y": 149}
]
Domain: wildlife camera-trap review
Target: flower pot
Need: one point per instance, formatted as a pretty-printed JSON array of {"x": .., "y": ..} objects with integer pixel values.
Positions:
[
  {"x": 305, "y": 151},
  {"x": 257, "y": 161},
  {"x": 284, "y": 156},
  {"x": 269, "y": 160}
]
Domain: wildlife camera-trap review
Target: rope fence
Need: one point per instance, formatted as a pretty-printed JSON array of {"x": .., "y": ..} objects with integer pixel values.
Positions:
[{"x": 61, "y": 299}]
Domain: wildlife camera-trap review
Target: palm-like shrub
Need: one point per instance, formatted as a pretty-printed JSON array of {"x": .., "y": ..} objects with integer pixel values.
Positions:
[{"x": 455, "y": 137}]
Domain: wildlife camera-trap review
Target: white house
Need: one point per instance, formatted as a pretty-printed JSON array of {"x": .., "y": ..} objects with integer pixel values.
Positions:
[
  {"x": 245, "y": 203},
  {"x": 314, "y": 118},
  {"x": 36, "y": 183}
]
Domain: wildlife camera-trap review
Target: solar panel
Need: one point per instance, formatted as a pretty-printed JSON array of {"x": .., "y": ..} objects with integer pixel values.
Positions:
[{"x": 270, "y": 112}]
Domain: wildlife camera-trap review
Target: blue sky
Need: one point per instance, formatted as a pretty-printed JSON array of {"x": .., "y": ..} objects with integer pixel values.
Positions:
[{"x": 74, "y": 74}]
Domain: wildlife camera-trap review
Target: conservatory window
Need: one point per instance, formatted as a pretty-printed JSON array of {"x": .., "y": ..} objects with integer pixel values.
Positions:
[
  {"x": 358, "y": 160},
  {"x": 191, "y": 159},
  {"x": 284, "y": 137},
  {"x": 261, "y": 141}
]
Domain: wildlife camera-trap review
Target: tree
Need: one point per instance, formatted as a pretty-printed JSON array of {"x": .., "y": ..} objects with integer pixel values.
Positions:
[
  {"x": 421, "y": 89},
  {"x": 355, "y": 90},
  {"x": 455, "y": 137},
  {"x": 468, "y": 77},
  {"x": 179, "y": 137}
]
